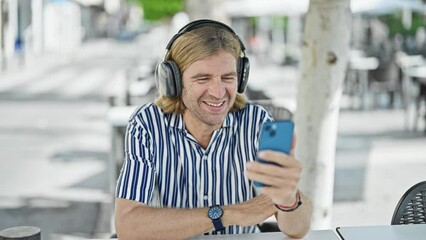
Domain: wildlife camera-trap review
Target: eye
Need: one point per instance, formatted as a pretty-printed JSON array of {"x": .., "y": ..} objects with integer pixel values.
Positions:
[
  {"x": 228, "y": 79},
  {"x": 202, "y": 80}
]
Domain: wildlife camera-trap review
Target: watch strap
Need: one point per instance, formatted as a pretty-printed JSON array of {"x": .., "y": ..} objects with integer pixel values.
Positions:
[{"x": 218, "y": 224}]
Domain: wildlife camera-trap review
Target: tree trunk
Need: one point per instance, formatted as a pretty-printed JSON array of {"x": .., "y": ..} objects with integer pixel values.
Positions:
[{"x": 325, "y": 53}]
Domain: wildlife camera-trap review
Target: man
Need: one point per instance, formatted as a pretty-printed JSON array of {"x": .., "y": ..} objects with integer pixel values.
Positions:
[{"x": 189, "y": 157}]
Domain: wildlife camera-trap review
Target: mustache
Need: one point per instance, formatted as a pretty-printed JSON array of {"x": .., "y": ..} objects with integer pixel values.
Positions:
[{"x": 213, "y": 98}]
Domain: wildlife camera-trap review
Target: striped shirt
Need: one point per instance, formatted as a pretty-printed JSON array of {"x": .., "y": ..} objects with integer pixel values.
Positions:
[{"x": 165, "y": 166}]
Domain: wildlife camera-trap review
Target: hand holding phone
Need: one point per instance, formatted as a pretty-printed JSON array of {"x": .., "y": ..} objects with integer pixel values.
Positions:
[{"x": 276, "y": 136}]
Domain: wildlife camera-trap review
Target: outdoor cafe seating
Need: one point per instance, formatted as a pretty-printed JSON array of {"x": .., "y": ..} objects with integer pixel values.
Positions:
[{"x": 411, "y": 209}]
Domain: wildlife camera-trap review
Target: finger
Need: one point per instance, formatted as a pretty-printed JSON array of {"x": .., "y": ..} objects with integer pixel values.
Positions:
[
  {"x": 278, "y": 158},
  {"x": 265, "y": 179},
  {"x": 273, "y": 174},
  {"x": 271, "y": 169}
]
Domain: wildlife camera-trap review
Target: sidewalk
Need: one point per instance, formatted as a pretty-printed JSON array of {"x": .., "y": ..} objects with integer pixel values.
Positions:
[
  {"x": 389, "y": 160},
  {"x": 55, "y": 138}
]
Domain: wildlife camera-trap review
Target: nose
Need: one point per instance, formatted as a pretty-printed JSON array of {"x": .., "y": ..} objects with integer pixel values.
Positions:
[{"x": 217, "y": 88}]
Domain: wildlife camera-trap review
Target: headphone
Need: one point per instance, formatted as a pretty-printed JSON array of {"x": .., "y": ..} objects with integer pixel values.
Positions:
[{"x": 168, "y": 73}]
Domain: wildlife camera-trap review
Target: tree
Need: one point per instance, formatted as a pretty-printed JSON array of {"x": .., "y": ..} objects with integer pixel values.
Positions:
[
  {"x": 158, "y": 9},
  {"x": 325, "y": 53}
]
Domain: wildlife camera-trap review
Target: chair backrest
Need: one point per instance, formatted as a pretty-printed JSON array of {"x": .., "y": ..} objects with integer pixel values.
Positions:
[
  {"x": 277, "y": 112},
  {"x": 411, "y": 208},
  {"x": 386, "y": 72}
]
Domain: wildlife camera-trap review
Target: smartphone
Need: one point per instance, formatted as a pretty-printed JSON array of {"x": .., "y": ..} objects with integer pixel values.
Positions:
[{"x": 275, "y": 136}]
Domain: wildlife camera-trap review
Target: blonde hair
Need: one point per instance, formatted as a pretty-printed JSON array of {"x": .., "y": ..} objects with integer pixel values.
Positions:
[{"x": 196, "y": 45}]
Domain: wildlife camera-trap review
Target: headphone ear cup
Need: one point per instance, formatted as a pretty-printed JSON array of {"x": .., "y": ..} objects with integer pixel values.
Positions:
[
  {"x": 243, "y": 73},
  {"x": 177, "y": 78},
  {"x": 169, "y": 79}
]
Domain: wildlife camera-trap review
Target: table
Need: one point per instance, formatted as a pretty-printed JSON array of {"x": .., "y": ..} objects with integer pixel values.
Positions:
[
  {"x": 357, "y": 80},
  {"x": 418, "y": 72},
  {"x": 312, "y": 235},
  {"x": 387, "y": 232}
]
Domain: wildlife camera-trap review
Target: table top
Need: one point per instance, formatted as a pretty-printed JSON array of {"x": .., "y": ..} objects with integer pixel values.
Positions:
[
  {"x": 312, "y": 235},
  {"x": 388, "y": 232},
  {"x": 363, "y": 63},
  {"x": 419, "y": 71}
]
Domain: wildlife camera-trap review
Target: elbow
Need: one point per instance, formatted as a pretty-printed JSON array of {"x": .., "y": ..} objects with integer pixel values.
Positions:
[
  {"x": 296, "y": 233},
  {"x": 124, "y": 225},
  {"x": 130, "y": 225},
  {"x": 126, "y": 229},
  {"x": 121, "y": 228}
]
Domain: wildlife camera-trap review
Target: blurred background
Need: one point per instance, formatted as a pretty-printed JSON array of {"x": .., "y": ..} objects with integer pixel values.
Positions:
[{"x": 72, "y": 71}]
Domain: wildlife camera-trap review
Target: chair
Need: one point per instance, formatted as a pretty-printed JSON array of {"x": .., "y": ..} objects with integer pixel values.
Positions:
[
  {"x": 386, "y": 79},
  {"x": 411, "y": 209},
  {"x": 277, "y": 112}
]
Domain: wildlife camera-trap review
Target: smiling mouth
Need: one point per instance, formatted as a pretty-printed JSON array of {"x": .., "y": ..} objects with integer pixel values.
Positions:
[{"x": 215, "y": 104}]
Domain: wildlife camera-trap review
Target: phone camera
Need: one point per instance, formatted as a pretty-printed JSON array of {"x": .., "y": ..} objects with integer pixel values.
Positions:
[{"x": 271, "y": 129}]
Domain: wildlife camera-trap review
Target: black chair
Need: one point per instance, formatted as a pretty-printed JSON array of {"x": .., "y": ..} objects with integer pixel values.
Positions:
[
  {"x": 411, "y": 209},
  {"x": 277, "y": 112}
]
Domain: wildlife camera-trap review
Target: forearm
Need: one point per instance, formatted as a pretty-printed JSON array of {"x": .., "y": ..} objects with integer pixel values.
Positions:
[
  {"x": 162, "y": 223},
  {"x": 296, "y": 223},
  {"x": 137, "y": 221}
]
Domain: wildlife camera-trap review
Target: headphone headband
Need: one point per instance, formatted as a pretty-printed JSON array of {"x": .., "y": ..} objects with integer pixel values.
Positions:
[
  {"x": 201, "y": 23},
  {"x": 168, "y": 74}
]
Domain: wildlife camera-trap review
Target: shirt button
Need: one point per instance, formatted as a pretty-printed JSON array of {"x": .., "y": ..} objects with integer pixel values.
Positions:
[
  {"x": 205, "y": 197},
  {"x": 205, "y": 157}
]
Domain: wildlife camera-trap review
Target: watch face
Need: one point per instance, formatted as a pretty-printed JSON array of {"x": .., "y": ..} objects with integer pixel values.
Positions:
[{"x": 215, "y": 212}]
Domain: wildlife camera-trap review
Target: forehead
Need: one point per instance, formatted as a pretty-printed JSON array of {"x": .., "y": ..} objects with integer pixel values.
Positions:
[{"x": 222, "y": 61}]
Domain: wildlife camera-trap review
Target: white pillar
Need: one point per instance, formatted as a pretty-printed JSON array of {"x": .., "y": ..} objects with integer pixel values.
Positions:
[
  {"x": 2, "y": 54},
  {"x": 278, "y": 42},
  {"x": 37, "y": 26},
  {"x": 11, "y": 30},
  {"x": 406, "y": 18},
  {"x": 294, "y": 36},
  {"x": 62, "y": 32}
]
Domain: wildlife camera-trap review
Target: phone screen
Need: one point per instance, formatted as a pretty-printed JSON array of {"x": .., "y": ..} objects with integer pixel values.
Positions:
[{"x": 275, "y": 136}]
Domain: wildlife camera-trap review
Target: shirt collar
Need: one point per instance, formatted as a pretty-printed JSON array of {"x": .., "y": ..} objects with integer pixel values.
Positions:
[{"x": 174, "y": 120}]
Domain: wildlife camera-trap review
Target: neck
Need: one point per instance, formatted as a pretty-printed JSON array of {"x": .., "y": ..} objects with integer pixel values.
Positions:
[
  {"x": 202, "y": 134},
  {"x": 201, "y": 131}
]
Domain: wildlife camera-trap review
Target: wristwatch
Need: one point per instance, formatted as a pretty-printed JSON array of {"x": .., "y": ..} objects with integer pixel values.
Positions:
[{"x": 215, "y": 213}]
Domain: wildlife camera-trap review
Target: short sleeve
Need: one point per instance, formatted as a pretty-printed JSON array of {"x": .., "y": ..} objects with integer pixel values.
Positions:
[{"x": 137, "y": 177}]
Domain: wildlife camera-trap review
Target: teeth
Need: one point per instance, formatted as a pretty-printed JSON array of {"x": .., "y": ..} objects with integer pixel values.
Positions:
[{"x": 214, "y": 105}]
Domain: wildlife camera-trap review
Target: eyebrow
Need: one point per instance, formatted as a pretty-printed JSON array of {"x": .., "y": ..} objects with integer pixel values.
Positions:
[{"x": 198, "y": 75}]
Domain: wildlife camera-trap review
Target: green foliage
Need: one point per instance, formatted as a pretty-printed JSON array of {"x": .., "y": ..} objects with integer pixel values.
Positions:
[
  {"x": 158, "y": 9},
  {"x": 394, "y": 22}
]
